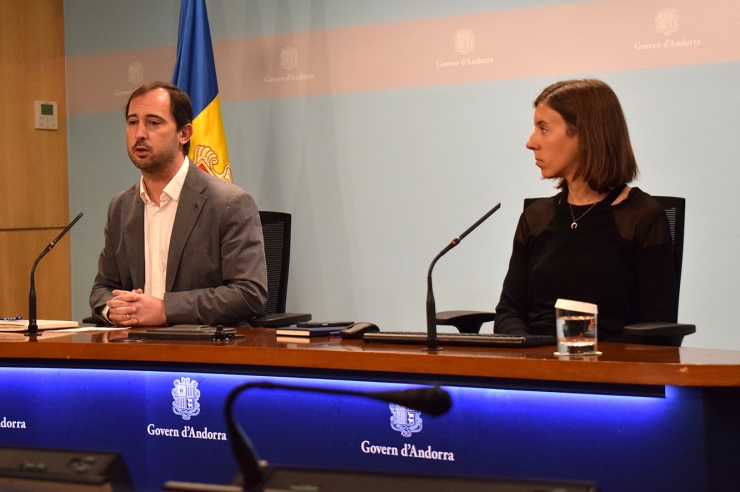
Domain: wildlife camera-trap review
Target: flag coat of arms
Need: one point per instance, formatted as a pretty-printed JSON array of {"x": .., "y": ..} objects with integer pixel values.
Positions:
[{"x": 195, "y": 73}]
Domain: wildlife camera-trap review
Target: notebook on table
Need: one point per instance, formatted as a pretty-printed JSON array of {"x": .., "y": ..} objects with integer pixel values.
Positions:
[{"x": 309, "y": 331}]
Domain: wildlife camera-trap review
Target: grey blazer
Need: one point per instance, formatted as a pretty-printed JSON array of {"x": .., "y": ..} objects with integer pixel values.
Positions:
[{"x": 216, "y": 270}]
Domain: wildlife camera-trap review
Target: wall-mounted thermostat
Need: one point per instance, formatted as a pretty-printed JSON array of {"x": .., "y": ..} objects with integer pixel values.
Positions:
[{"x": 45, "y": 113}]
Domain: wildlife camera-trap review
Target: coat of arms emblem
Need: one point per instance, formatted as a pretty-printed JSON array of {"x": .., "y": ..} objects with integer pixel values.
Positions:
[
  {"x": 205, "y": 158},
  {"x": 289, "y": 58},
  {"x": 186, "y": 394},
  {"x": 405, "y": 420},
  {"x": 136, "y": 73},
  {"x": 464, "y": 41},
  {"x": 666, "y": 21}
]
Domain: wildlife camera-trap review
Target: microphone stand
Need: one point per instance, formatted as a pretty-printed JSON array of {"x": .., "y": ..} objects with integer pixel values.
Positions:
[
  {"x": 33, "y": 327},
  {"x": 434, "y": 401},
  {"x": 431, "y": 307}
]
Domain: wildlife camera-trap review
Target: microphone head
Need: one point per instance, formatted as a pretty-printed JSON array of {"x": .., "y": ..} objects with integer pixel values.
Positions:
[{"x": 433, "y": 401}]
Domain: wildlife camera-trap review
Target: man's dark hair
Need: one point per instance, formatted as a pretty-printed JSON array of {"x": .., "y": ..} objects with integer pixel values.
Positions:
[
  {"x": 591, "y": 111},
  {"x": 180, "y": 106}
]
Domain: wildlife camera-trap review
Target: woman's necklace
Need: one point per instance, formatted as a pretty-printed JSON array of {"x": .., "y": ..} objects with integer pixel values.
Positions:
[{"x": 574, "y": 225}]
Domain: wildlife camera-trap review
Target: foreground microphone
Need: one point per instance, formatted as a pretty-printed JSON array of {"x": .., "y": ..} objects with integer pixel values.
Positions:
[
  {"x": 32, "y": 326},
  {"x": 431, "y": 308},
  {"x": 434, "y": 401}
]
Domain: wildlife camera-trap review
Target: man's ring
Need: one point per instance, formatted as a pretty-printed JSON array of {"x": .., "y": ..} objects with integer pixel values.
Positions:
[{"x": 128, "y": 316}]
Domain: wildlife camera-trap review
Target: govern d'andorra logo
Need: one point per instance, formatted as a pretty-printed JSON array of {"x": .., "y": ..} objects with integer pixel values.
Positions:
[
  {"x": 666, "y": 23},
  {"x": 185, "y": 404},
  {"x": 464, "y": 44},
  {"x": 186, "y": 395},
  {"x": 408, "y": 422},
  {"x": 405, "y": 420}
]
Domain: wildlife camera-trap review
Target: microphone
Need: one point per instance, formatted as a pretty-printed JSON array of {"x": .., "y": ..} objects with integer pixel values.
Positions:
[
  {"x": 434, "y": 401},
  {"x": 431, "y": 307},
  {"x": 32, "y": 326}
]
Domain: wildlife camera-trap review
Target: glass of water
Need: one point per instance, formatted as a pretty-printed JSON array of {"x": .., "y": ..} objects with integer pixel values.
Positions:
[{"x": 576, "y": 324}]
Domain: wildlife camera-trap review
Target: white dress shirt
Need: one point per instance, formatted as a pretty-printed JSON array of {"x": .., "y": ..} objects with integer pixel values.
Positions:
[{"x": 158, "y": 222}]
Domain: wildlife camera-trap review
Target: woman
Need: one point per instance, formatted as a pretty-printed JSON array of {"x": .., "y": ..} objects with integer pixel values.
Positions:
[{"x": 598, "y": 240}]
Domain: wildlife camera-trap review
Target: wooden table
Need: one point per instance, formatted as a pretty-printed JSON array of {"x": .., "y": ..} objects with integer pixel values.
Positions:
[
  {"x": 674, "y": 418},
  {"x": 619, "y": 364}
]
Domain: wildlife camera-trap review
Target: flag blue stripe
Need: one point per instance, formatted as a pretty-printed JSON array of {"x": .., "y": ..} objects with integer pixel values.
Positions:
[{"x": 195, "y": 69}]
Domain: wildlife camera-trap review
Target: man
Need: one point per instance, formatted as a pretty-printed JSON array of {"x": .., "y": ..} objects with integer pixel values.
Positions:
[{"x": 181, "y": 246}]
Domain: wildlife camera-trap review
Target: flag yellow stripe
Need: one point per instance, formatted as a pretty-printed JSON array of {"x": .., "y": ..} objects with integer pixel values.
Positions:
[{"x": 208, "y": 130}]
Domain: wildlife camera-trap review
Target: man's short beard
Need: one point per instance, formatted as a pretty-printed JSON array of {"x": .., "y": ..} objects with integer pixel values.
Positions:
[{"x": 155, "y": 163}]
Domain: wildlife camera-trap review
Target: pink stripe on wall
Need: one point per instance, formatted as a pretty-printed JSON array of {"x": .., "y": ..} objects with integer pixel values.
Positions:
[
  {"x": 554, "y": 40},
  {"x": 103, "y": 82}
]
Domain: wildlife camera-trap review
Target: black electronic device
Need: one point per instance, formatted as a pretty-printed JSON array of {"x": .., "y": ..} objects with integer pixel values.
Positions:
[
  {"x": 185, "y": 332},
  {"x": 33, "y": 328},
  {"x": 31, "y": 469},
  {"x": 431, "y": 338},
  {"x": 357, "y": 330},
  {"x": 294, "y": 479},
  {"x": 291, "y": 479},
  {"x": 505, "y": 340}
]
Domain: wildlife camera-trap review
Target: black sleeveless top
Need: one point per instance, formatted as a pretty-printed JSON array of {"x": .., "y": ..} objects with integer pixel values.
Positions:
[{"x": 618, "y": 257}]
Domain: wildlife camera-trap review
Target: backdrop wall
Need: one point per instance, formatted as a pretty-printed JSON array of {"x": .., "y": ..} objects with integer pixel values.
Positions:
[{"x": 386, "y": 128}]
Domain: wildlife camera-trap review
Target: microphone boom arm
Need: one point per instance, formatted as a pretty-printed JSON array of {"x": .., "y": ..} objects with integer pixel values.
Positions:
[
  {"x": 33, "y": 327},
  {"x": 431, "y": 305},
  {"x": 434, "y": 401}
]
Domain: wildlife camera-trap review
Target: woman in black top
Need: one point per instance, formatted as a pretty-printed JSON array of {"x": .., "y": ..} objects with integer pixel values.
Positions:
[{"x": 598, "y": 240}]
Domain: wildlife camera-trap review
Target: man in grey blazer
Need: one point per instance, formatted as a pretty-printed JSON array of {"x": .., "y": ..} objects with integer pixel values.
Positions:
[{"x": 210, "y": 269}]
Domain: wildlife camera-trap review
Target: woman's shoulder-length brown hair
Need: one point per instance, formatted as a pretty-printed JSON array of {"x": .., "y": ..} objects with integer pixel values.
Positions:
[{"x": 592, "y": 111}]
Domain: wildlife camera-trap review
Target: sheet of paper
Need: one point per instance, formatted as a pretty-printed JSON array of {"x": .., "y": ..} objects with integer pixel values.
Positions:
[{"x": 43, "y": 324}]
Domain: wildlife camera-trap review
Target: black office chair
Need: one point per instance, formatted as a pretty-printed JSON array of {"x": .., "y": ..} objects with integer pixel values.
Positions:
[
  {"x": 276, "y": 233},
  {"x": 656, "y": 333}
]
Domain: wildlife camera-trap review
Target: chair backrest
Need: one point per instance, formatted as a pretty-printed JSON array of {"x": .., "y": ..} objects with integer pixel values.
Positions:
[
  {"x": 276, "y": 232},
  {"x": 675, "y": 210}
]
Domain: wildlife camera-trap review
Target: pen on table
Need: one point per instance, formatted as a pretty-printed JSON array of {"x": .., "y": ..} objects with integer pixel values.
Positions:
[{"x": 12, "y": 318}]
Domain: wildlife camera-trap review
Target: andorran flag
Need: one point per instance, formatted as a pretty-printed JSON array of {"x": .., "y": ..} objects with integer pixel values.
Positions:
[{"x": 195, "y": 73}]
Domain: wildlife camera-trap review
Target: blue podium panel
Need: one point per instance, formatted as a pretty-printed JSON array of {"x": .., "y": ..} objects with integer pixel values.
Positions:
[{"x": 169, "y": 425}]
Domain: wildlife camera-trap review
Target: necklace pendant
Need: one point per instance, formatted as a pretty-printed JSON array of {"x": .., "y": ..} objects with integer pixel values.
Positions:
[{"x": 574, "y": 225}]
